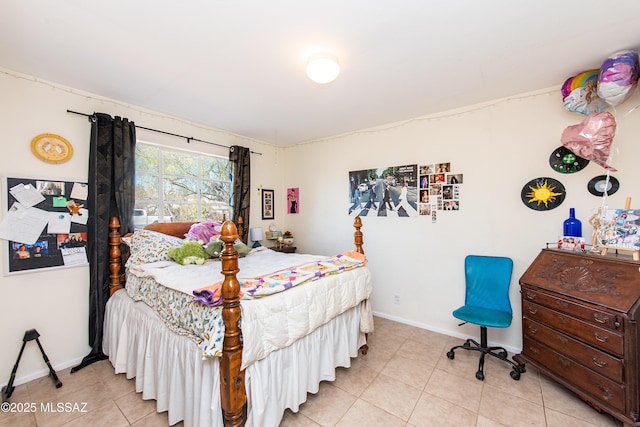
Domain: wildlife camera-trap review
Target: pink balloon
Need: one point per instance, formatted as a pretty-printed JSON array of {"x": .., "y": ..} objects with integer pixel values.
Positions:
[{"x": 592, "y": 138}]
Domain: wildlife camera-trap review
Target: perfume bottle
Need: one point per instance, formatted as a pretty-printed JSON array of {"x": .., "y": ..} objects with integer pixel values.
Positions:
[{"x": 572, "y": 226}]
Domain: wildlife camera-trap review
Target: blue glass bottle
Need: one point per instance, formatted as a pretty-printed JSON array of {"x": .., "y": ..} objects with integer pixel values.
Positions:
[{"x": 572, "y": 226}]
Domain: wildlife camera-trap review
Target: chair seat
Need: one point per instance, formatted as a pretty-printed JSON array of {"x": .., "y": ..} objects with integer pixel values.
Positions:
[{"x": 483, "y": 316}]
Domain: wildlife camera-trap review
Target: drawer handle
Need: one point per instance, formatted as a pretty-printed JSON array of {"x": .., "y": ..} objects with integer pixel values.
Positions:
[
  {"x": 534, "y": 350},
  {"x": 601, "y": 338},
  {"x": 606, "y": 393},
  {"x": 563, "y": 319},
  {"x": 599, "y": 363},
  {"x": 561, "y": 304},
  {"x": 533, "y": 330},
  {"x": 562, "y": 339},
  {"x": 533, "y": 310},
  {"x": 531, "y": 295},
  {"x": 600, "y": 318},
  {"x": 565, "y": 362}
]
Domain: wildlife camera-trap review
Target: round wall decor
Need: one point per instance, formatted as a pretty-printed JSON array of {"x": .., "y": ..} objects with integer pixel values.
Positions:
[
  {"x": 543, "y": 194},
  {"x": 564, "y": 161},
  {"x": 599, "y": 185},
  {"x": 51, "y": 148}
]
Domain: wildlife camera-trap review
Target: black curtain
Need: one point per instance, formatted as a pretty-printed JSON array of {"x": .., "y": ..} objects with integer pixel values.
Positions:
[
  {"x": 240, "y": 160},
  {"x": 111, "y": 193}
]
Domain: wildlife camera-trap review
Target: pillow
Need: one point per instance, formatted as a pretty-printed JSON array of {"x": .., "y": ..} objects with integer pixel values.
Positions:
[{"x": 150, "y": 246}]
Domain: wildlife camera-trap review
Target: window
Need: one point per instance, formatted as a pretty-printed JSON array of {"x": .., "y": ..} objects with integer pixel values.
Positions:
[{"x": 177, "y": 185}]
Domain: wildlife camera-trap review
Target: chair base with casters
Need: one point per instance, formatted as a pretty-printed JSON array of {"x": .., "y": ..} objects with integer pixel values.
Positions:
[{"x": 484, "y": 349}]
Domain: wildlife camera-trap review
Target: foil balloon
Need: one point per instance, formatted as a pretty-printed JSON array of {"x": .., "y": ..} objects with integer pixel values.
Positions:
[
  {"x": 618, "y": 77},
  {"x": 580, "y": 93},
  {"x": 592, "y": 138}
]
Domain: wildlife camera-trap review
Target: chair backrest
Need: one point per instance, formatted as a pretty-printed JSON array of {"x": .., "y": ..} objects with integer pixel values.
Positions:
[{"x": 487, "y": 280}]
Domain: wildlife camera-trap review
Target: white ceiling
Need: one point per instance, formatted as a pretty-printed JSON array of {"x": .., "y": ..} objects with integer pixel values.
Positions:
[{"x": 238, "y": 65}]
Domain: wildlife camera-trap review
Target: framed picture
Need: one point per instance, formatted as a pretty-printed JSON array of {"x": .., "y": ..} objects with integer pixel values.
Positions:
[
  {"x": 293, "y": 197},
  {"x": 267, "y": 204}
]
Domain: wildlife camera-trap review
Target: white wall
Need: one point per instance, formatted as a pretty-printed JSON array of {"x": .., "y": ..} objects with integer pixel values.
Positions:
[
  {"x": 55, "y": 302},
  {"x": 498, "y": 147}
]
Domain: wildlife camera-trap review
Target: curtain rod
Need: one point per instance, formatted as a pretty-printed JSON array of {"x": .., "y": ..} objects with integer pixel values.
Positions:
[{"x": 188, "y": 138}]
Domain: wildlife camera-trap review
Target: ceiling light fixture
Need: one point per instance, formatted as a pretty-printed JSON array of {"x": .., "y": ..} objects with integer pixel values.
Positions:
[{"x": 323, "y": 68}]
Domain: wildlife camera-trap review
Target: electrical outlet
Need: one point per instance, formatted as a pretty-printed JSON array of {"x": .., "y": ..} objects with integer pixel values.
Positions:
[{"x": 396, "y": 298}]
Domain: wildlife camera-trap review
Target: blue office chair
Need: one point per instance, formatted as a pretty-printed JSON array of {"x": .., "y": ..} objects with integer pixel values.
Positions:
[{"x": 487, "y": 304}]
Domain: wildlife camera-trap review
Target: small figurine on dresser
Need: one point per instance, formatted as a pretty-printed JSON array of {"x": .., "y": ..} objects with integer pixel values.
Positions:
[{"x": 596, "y": 223}]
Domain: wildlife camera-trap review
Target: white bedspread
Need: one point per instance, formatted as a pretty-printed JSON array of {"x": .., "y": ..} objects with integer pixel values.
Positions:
[
  {"x": 186, "y": 278},
  {"x": 276, "y": 321}
]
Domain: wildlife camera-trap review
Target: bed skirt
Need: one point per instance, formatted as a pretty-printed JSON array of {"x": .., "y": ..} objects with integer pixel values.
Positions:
[{"x": 170, "y": 368}]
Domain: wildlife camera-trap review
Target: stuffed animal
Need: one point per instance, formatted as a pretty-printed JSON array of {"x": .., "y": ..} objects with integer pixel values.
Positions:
[
  {"x": 74, "y": 207},
  {"x": 204, "y": 231},
  {"x": 215, "y": 248},
  {"x": 189, "y": 252}
]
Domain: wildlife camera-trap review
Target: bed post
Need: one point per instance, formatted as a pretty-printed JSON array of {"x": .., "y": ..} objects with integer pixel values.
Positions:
[
  {"x": 357, "y": 236},
  {"x": 240, "y": 228},
  {"x": 357, "y": 239},
  {"x": 115, "y": 264},
  {"x": 232, "y": 392}
]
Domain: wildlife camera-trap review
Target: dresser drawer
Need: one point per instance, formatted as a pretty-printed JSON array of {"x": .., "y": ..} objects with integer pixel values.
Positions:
[
  {"x": 602, "y": 389},
  {"x": 589, "y": 314},
  {"x": 598, "y": 361},
  {"x": 600, "y": 338}
]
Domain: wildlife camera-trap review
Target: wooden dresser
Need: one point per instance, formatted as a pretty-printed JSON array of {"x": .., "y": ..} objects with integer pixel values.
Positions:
[{"x": 580, "y": 327}]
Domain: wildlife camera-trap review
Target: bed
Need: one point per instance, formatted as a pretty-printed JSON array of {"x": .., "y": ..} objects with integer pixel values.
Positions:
[{"x": 290, "y": 341}]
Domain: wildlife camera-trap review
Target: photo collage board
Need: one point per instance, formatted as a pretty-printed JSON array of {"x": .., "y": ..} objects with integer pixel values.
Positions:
[
  {"x": 45, "y": 224},
  {"x": 405, "y": 191}
]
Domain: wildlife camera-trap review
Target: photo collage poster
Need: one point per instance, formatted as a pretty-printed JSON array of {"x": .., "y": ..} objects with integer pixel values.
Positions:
[
  {"x": 405, "y": 191},
  {"x": 45, "y": 224}
]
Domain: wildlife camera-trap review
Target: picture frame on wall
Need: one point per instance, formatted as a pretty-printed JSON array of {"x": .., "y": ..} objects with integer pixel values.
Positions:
[
  {"x": 267, "y": 204},
  {"x": 293, "y": 200}
]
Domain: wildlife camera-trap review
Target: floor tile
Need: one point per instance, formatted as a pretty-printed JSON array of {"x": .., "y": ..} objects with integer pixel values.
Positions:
[
  {"x": 464, "y": 392},
  {"x": 328, "y": 405},
  {"x": 406, "y": 379},
  {"x": 392, "y": 395},
  {"x": 433, "y": 411},
  {"x": 509, "y": 409},
  {"x": 365, "y": 414}
]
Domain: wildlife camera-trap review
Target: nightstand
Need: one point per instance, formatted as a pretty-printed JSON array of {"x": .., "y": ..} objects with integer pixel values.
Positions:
[{"x": 285, "y": 249}]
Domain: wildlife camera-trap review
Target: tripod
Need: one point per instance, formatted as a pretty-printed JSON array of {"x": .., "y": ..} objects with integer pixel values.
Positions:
[{"x": 29, "y": 335}]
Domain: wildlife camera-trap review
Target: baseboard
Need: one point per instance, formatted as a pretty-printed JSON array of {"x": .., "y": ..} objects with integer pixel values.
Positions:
[
  {"x": 42, "y": 373},
  {"x": 510, "y": 349}
]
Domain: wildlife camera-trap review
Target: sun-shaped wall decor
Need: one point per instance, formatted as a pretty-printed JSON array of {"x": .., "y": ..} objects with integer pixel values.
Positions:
[{"x": 543, "y": 194}]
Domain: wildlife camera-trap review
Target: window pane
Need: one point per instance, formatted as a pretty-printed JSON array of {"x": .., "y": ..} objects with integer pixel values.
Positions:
[
  {"x": 146, "y": 187},
  {"x": 173, "y": 185},
  {"x": 147, "y": 158},
  {"x": 180, "y": 164},
  {"x": 213, "y": 213},
  {"x": 216, "y": 169},
  {"x": 213, "y": 191},
  {"x": 183, "y": 212},
  {"x": 180, "y": 189}
]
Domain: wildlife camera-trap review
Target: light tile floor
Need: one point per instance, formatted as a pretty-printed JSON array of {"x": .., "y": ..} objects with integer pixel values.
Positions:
[{"x": 405, "y": 379}]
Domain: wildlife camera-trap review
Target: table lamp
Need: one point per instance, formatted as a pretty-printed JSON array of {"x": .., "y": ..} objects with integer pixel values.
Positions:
[{"x": 255, "y": 234}]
